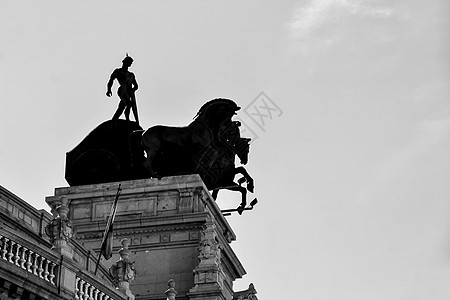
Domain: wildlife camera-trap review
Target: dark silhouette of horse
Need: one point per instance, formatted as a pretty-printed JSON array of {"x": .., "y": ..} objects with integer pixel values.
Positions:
[
  {"x": 120, "y": 150},
  {"x": 223, "y": 169},
  {"x": 207, "y": 146},
  {"x": 176, "y": 150}
]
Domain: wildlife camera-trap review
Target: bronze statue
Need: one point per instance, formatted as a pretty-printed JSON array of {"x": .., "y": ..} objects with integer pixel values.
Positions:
[
  {"x": 126, "y": 91},
  {"x": 223, "y": 168},
  {"x": 207, "y": 146},
  {"x": 120, "y": 150},
  {"x": 180, "y": 150}
]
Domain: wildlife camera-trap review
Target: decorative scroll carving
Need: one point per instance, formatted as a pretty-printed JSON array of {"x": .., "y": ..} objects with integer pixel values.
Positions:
[
  {"x": 124, "y": 271},
  {"x": 60, "y": 228},
  {"x": 209, "y": 274}
]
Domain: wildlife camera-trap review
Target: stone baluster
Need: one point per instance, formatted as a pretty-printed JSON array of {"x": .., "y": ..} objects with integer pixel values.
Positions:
[
  {"x": 22, "y": 259},
  {"x": 123, "y": 271},
  {"x": 91, "y": 292},
  {"x": 35, "y": 264},
  {"x": 4, "y": 246},
  {"x": 28, "y": 264},
  {"x": 52, "y": 273},
  {"x": 41, "y": 269},
  {"x": 102, "y": 296},
  {"x": 86, "y": 290},
  {"x": 46, "y": 271},
  {"x": 77, "y": 288},
  {"x": 96, "y": 294},
  {"x": 17, "y": 255},
  {"x": 81, "y": 289},
  {"x": 171, "y": 292},
  {"x": 11, "y": 252}
]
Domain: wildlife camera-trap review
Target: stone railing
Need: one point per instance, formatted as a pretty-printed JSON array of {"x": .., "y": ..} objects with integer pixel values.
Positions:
[
  {"x": 87, "y": 259},
  {"x": 14, "y": 252},
  {"x": 41, "y": 263},
  {"x": 85, "y": 290}
]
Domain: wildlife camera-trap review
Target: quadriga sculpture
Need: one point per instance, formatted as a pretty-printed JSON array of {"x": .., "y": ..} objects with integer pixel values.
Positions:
[{"x": 119, "y": 150}]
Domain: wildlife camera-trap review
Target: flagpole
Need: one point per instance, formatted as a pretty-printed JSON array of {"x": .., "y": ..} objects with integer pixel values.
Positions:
[{"x": 112, "y": 215}]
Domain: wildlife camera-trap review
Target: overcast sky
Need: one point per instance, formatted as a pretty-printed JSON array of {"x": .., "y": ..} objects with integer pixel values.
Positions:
[{"x": 351, "y": 160}]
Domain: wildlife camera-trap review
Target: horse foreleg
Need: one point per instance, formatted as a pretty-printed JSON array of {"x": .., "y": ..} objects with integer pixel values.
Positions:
[
  {"x": 214, "y": 194},
  {"x": 248, "y": 178},
  {"x": 243, "y": 192}
]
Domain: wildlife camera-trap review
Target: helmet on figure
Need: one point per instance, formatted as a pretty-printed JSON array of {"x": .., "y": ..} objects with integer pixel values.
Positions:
[{"x": 127, "y": 60}]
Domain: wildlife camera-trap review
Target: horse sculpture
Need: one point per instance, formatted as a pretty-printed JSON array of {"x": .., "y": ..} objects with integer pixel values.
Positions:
[
  {"x": 207, "y": 146},
  {"x": 223, "y": 168}
]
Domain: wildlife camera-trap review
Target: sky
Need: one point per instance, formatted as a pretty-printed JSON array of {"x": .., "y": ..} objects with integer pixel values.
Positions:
[{"x": 346, "y": 102}]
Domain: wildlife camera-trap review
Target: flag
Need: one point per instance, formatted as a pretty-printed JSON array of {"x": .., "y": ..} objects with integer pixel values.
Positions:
[
  {"x": 106, "y": 249},
  {"x": 107, "y": 241}
]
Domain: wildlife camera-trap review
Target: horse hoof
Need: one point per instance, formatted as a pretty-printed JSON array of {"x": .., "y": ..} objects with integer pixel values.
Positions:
[
  {"x": 251, "y": 187},
  {"x": 240, "y": 209}
]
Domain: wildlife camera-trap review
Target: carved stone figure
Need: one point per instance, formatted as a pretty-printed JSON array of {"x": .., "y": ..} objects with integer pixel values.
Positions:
[
  {"x": 59, "y": 230},
  {"x": 123, "y": 271}
]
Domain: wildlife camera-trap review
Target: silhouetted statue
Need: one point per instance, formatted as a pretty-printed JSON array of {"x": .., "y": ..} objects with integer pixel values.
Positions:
[
  {"x": 223, "y": 168},
  {"x": 121, "y": 150},
  {"x": 104, "y": 155},
  {"x": 207, "y": 146},
  {"x": 126, "y": 91}
]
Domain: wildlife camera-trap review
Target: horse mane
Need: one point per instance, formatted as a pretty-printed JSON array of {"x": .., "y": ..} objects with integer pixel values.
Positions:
[{"x": 213, "y": 101}]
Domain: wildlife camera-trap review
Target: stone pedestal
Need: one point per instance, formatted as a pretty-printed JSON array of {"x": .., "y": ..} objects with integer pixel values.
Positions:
[
  {"x": 124, "y": 271},
  {"x": 176, "y": 231},
  {"x": 59, "y": 230}
]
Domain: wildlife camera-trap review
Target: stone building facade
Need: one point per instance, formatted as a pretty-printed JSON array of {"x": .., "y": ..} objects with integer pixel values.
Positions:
[{"x": 171, "y": 241}]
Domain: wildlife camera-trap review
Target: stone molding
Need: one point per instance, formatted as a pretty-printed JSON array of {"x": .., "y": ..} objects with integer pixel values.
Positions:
[
  {"x": 26, "y": 215},
  {"x": 171, "y": 215}
]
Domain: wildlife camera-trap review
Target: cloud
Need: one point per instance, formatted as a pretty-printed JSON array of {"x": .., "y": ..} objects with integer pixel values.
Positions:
[{"x": 315, "y": 14}]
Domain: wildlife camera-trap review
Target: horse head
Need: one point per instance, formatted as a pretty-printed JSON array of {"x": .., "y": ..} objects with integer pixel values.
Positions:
[
  {"x": 217, "y": 111},
  {"x": 242, "y": 148}
]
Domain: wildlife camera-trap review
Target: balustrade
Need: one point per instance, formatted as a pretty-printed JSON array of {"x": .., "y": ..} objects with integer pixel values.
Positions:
[
  {"x": 87, "y": 291},
  {"x": 26, "y": 259}
]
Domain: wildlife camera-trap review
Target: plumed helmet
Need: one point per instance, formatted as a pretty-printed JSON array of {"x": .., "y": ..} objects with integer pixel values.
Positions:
[{"x": 127, "y": 60}]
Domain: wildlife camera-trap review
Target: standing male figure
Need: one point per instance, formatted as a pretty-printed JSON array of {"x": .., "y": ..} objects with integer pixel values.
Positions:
[{"x": 128, "y": 86}]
